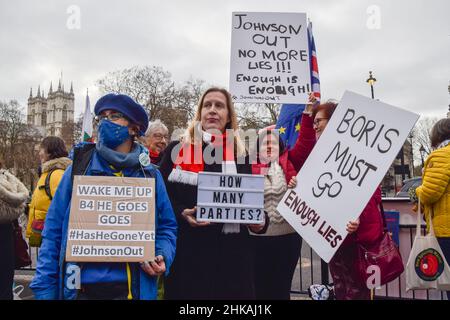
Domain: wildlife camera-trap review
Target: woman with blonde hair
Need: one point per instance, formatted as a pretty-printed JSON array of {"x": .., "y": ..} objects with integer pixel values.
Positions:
[{"x": 213, "y": 260}]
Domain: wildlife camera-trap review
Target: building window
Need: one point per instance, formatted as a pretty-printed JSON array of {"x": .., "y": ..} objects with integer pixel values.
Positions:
[
  {"x": 44, "y": 118},
  {"x": 64, "y": 113}
]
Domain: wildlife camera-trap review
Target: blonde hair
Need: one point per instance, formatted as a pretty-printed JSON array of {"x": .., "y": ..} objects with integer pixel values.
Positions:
[{"x": 189, "y": 136}]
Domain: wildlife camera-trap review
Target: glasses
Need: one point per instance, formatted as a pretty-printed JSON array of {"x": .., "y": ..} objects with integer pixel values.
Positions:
[
  {"x": 317, "y": 121},
  {"x": 111, "y": 117},
  {"x": 159, "y": 136}
]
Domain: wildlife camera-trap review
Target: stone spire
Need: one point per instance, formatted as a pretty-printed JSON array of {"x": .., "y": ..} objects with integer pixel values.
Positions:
[
  {"x": 59, "y": 85},
  {"x": 39, "y": 91},
  {"x": 31, "y": 92},
  {"x": 71, "y": 87},
  {"x": 51, "y": 88}
]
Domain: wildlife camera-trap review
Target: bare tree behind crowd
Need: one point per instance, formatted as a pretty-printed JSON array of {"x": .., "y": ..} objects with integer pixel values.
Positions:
[
  {"x": 421, "y": 136},
  {"x": 18, "y": 142},
  {"x": 257, "y": 116},
  {"x": 154, "y": 88}
]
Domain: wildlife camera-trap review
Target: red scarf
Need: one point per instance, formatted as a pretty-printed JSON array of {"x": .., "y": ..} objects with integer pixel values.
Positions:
[
  {"x": 190, "y": 159},
  {"x": 154, "y": 156}
]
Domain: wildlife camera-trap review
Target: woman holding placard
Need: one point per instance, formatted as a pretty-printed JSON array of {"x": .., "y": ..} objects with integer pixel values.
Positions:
[
  {"x": 214, "y": 260},
  {"x": 366, "y": 230},
  {"x": 273, "y": 277},
  {"x": 434, "y": 193}
]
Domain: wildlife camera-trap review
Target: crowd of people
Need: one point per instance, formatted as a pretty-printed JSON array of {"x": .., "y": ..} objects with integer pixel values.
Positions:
[{"x": 196, "y": 259}]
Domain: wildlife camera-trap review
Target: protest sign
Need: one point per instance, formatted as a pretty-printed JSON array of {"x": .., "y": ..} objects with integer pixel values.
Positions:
[
  {"x": 112, "y": 219},
  {"x": 230, "y": 198},
  {"x": 269, "y": 58},
  {"x": 344, "y": 169}
]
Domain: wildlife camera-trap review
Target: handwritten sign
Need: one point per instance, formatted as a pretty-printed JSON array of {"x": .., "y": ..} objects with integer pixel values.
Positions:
[
  {"x": 344, "y": 169},
  {"x": 269, "y": 58},
  {"x": 112, "y": 219},
  {"x": 230, "y": 198}
]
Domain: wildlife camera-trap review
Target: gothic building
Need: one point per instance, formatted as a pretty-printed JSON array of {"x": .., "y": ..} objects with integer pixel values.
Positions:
[{"x": 50, "y": 114}]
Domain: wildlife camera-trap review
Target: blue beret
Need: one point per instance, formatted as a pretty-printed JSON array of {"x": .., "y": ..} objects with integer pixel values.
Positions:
[{"x": 125, "y": 105}]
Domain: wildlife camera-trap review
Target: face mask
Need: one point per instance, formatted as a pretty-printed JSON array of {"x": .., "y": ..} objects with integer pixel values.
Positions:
[{"x": 112, "y": 135}]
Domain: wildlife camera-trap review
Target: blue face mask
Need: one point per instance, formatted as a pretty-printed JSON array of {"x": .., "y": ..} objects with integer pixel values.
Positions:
[{"x": 112, "y": 135}]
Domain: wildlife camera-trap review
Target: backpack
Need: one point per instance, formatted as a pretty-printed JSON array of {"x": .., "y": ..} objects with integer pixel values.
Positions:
[{"x": 46, "y": 185}]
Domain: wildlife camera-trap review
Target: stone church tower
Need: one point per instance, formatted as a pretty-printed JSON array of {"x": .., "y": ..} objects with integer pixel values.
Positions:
[{"x": 49, "y": 115}]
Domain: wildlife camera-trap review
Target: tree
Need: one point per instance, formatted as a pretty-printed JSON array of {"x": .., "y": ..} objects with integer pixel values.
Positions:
[
  {"x": 18, "y": 142},
  {"x": 257, "y": 116},
  {"x": 420, "y": 137},
  {"x": 154, "y": 88}
]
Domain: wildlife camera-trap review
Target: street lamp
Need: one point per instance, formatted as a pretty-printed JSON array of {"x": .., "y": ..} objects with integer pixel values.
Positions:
[
  {"x": 371, "y": 81},
  {"x": 411, "y": 136},
  {"x": 422, "y": 151}
]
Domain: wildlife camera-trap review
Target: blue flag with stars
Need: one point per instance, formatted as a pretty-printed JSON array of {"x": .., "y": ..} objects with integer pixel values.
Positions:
[
  {"x": 290, "y": 116},
  {"x": 288, "y": 123}
]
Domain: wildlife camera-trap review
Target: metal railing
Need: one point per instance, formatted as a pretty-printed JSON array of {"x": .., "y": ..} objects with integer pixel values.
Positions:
[{"x": 312, "y": 270}]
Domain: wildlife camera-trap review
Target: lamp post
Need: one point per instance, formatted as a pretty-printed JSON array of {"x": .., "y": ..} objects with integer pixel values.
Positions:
[
  {"x": 411, "y": 173},
  {"x": 422, "y": 151},
  {"x": 371, "y": 80}
]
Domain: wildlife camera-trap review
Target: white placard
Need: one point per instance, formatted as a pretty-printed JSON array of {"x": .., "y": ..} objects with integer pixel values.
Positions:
[
  {"x": 269, "y": 58},
  {"x": 344, "y": 169},
  {"x": 230, "y": 198}
]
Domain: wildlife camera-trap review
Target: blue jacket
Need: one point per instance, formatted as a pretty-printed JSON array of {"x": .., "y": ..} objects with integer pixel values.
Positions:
[{"x": 51, "y": 278}]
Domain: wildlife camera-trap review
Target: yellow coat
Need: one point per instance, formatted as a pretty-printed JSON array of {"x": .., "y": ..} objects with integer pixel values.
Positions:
[
  {"x": 40, "y": 202},
  {"x": 434, "y": 193}
]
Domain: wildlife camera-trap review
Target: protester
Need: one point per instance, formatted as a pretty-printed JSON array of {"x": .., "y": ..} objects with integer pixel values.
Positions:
[
  {"x": 366, "y": 230},
  {"x": 273, "y": 276},
  {"x": 54, "y": 161},
  {"x": 13, "y": 196},
  {"x": 116, "y": 153},
  {"x": 156, "y": 139},
  {"x": 434, "y": 193},
  {"x": 214, "y": 260}
]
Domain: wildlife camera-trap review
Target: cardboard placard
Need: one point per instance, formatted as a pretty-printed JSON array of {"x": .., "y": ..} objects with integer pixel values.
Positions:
[
  {"x": 269, "y": 58},
  {"x": 344, "y": 169},
  {"x": 230, "y": 198},
  {"x": 112, "y": 219}
]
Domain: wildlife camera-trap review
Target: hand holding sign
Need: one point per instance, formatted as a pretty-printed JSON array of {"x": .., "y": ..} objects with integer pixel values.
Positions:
[
  {"x": 312, "y": 102},
  {"x": 257, "y": 228},
  {"x": 188, "y": 215},
  {"x": 154, "y": 268},
  {"x": 352, "y": 226},
  {"x": 292, "y": 183}
]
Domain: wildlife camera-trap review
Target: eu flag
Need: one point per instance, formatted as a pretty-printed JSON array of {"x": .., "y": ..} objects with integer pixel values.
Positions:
[{"x": 288, "y": 123}]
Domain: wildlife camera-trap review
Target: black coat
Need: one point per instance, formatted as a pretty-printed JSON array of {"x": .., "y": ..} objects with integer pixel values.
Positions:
[{"x": 208, "y": 264}]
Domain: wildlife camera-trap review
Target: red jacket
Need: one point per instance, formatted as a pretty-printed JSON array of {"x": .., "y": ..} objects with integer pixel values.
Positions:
[
  {"x": 370, "y": 222},
  {"x": 292, "y": 160}
]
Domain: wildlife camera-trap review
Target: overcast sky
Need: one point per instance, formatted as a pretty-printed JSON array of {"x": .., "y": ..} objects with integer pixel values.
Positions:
[{"x": 409, "y": 54}]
